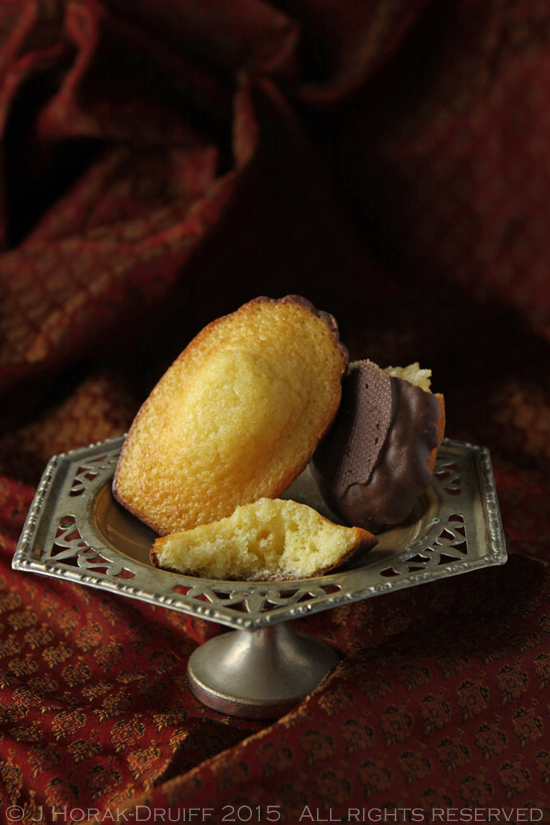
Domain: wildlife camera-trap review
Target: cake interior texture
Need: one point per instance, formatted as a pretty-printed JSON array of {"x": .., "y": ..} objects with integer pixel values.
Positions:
[
  {"x": 412, "y": 373},
  {"x": 268, "y": 539},
  {"x": 236, "y": 418}
]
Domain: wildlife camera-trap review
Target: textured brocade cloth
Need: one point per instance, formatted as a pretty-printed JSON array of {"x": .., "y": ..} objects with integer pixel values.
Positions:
[{"x": 164, "y": 162}]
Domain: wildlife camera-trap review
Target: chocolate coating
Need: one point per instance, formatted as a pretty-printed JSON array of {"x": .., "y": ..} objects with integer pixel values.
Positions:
[
  {"x": 359, "y": 431},
  {"x": 387, "y": 492}
]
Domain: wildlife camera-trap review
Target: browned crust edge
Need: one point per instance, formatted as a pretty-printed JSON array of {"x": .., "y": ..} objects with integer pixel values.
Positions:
[
  {"x": 440, "y": 431},
  {"x": 332, "y": 325}
]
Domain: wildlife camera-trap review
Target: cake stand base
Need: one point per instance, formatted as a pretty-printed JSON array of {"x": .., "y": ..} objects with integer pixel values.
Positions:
[
  {"x": 77, "y": 532},
  {"x": 259, "y": 674}
]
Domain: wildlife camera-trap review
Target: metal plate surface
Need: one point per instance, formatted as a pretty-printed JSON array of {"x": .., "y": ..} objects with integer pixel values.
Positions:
[{"x": 75, "y": 530}]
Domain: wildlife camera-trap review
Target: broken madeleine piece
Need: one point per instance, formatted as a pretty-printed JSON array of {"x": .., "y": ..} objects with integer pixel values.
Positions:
[{"x": 268, "y": 540}]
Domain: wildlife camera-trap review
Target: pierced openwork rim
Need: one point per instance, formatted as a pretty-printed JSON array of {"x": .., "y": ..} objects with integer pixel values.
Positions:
[{"x": 457, "y": 529}]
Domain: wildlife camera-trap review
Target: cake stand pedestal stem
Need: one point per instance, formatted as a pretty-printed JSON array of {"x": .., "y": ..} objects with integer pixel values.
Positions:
[{"x": 259, "y": 674}]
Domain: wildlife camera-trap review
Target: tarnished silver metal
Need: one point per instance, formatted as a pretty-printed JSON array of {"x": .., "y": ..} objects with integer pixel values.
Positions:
[
  {"x": 259, "y": 674},
  {"x": 75, "y": 530}
]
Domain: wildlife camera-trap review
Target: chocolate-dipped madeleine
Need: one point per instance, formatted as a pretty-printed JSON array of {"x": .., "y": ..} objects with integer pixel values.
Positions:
[{"x": 378, "y": 457}]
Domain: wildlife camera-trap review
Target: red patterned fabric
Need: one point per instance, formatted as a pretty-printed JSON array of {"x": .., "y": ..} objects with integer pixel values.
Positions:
[{"x": 162, "y": 163}]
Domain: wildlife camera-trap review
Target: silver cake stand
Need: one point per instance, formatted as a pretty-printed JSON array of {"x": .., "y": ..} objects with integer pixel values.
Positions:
[{"x": 76, "y": 531}]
